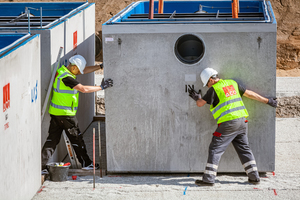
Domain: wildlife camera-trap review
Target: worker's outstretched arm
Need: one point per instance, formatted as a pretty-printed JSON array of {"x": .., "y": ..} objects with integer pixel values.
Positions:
[
  {"x": 253, "y": 95},
  {"x": 89, "y": 69},
  {"x": 200, "y": 102},
  {"x": 88, "y": 88}
]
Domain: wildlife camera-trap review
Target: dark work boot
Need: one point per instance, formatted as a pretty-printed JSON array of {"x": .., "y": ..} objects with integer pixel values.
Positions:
[
  {"x": 201, "y": 183},
  {"x": 254, "y": 182}
]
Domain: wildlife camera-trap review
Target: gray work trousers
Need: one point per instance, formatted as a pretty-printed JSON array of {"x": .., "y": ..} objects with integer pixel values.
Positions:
[{"x": 235, "y": 132}]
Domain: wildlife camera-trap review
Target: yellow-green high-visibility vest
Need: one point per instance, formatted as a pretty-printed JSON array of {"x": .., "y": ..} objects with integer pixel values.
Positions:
[
  {"x": 64, "y": 100},
  {"x": 231, "y": 105}
]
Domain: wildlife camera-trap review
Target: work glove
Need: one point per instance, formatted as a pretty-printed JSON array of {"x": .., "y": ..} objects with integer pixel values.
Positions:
[
  {"x": 272, "y": 102},
  {"x": 106, "y": 84},
  {"x": 193, "y": 94}
]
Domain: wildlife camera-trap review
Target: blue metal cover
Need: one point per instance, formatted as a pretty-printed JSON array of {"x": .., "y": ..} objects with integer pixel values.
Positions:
[
  {"x": 37, "y": 15},
  {"x": 196, "y": 12},
  {"x": 49, "y": 9},
  {"x": 11, "y": 41},
  {"x": 8, "y": 39}
]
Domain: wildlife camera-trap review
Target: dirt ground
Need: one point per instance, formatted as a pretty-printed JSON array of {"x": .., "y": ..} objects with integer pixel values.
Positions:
[{"x": 288, "y": 107}]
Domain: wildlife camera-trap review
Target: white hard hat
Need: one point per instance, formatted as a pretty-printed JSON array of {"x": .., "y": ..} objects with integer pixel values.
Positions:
[
  {"x": 206, "y": 74},
  {"x": 79, "y": 61}
]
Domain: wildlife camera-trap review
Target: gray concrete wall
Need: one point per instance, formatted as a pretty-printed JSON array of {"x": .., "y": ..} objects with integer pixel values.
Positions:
[
  {"x": 152, "y": 125},
  {"x": 20, "y": 148}
]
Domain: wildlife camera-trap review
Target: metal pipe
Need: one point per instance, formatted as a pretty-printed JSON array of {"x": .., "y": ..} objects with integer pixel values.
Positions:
[
  {"x": 65, "y": 42},
  {"x": 94, "y": 156},
  {"x": 100, "y": 156},
  {"x": 266, "y": 12},
  {"x": 55, "y": 67},
  {"x": 234, "y": 6},
  {"x": 151, "y": 9},
  {"x": 28, "y": 16},
  {"x": 161, "y": 6},
  {"x": 41, "y": 16}
]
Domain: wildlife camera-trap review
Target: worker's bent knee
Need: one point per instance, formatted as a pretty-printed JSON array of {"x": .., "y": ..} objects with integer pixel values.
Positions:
[{"x": 74, "y": 131}]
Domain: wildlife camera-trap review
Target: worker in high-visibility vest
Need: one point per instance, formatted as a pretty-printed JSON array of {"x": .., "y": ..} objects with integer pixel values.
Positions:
[
  {"x": 63, "y": 108},
  {"x": 227, "y": 107}
]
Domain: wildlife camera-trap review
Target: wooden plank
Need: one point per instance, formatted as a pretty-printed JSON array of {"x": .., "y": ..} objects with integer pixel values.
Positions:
[
  {"x": 99, "y": 118},
  {"x": 82, "y": 172}
]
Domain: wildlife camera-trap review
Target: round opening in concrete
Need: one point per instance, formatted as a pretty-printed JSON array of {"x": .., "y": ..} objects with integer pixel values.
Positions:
[{"x": 189, "y": 49}]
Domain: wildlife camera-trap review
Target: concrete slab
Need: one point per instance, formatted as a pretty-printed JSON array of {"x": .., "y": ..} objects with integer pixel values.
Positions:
[
  {"x": 287, "y": 145},
  {"x": 284, "y": 183},
  {"x": 287, "y": 86}
]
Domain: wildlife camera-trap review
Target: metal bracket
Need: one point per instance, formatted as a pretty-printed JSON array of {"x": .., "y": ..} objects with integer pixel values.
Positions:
[{"x": 172, "y": 16}]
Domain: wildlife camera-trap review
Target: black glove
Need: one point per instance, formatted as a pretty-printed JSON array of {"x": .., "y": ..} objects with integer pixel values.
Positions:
[
  {"x": 272, "y": 102},
  {"x": 193, "y": 94},
  {"x": 106, "y": 84}
]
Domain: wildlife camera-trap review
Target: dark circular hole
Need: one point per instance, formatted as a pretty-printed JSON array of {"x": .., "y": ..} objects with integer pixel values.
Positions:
[{"x": 189, "y": 49}]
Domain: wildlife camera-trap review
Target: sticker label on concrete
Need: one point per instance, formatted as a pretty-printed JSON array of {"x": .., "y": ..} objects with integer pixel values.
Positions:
[
  {"x": 75, "y": 40},
  {"x": 6, "y": 97},
  {"x": 34, "y": 93},
  {"x": 109, "y": 39},
  {"x": 190, "y": 78},
  {"x": 6, "y": 104}
]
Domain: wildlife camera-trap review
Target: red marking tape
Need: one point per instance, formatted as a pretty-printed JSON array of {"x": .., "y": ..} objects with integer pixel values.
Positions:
[
  {"x": 273, "y": 173},
  {"x": 110, "y": 187},
  {"x": 275, "y": 192},
  {"x": 41, "y": 189},
  {"x": 67, "y": 164}
]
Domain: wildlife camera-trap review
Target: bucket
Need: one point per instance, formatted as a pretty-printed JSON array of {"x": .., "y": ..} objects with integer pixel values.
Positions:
[{"x": 58, "y": 173}]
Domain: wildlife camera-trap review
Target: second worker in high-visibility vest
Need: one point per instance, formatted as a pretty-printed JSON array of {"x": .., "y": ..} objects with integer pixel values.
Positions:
[
  {"x": 63, "y": 108},
  {"x": 227, "y": 107}
]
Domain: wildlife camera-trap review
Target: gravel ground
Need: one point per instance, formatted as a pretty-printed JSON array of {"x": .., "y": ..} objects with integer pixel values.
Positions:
[
  {"x": 284, "y": 183},
  {"x": 280, "y": 186}
]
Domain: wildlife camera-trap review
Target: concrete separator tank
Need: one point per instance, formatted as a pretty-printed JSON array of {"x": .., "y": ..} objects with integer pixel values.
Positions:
[
  {"x": 20, "y": 117},
  {"x": 70, "y": 25},
  {"x": 152, "y": 125}
]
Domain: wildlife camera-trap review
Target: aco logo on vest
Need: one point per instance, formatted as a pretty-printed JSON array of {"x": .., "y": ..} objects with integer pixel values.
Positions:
[{"x": 229, "y": 91}]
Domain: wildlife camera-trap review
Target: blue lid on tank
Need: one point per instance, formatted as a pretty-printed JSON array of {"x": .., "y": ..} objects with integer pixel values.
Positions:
[
  {"x": 11, "y": 41},
  {"x": 218, "y": 11},
  {"x": 41, "y": 15},
  {"x": 8, "y": 39}
]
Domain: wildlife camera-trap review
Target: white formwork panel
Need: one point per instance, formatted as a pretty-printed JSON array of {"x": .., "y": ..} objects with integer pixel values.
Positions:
[{"x": 20, "y": 120}]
